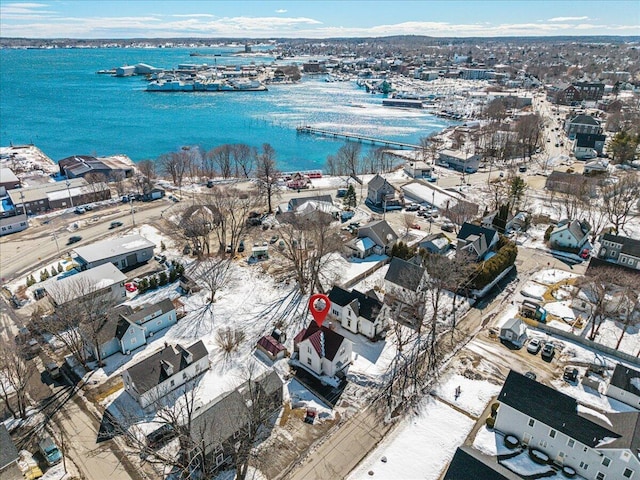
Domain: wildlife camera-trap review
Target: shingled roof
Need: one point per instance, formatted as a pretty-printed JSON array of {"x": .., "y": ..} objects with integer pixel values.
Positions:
[
  {"x": 365, "y": 306},
  {"x": 325, "y": 341},
  {"x": 553, "y": 408},
  {"x": 470, "y": 464},
  {"x": 630, "y": 246},
  {"x": 404, "y": 274},
  {"x": 627, "y": 379},
  {"x": 149, "y": 372}
]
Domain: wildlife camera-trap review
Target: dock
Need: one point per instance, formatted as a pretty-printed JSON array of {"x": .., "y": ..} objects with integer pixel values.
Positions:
[{"x": 354, "y": 136}]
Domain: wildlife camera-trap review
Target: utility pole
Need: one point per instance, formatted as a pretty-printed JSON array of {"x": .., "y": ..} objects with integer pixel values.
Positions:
[
  {"x": 133, "y": 218},
  {"x": 55, "y": 237},
  {"x": 69, "y": 190}
]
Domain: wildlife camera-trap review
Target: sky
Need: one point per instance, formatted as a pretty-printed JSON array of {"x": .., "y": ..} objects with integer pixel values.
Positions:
[{"x": 316, "y": 18}]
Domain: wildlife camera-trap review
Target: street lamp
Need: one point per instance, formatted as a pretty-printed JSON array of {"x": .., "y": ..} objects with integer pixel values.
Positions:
[{"x": 69, "y": 191}]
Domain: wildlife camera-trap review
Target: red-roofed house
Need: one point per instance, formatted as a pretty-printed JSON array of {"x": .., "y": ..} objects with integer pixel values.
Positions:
[
  {"x": 322, "y": 351},
  {"x": 271, "y": 347}
]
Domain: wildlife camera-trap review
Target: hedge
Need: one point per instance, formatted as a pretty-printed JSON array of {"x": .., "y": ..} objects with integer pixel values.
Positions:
[{"x": 487, "y": 271}]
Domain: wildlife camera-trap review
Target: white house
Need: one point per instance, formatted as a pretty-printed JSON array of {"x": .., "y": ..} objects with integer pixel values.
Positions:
[
  {"x": 625, "y": 385},
  {"x": 357, "y": 312},
  {"x": 570, "y": 234},
  {"x": 597, "y": 446},
  {"x": 154, "y": 377},
  {"x": 13, "y": 224},
  {"x": 514, "y": 330},
  {"x": 322, "y": 351}
]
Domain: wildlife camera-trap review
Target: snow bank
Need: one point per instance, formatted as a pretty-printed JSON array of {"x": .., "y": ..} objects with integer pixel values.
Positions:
[
  {"x": 551, "y": 276},
  {"x": 474, "y": 396}
]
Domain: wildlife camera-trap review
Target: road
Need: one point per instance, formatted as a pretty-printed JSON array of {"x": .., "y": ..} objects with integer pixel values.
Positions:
[
  {"x": 96, "y": 461},
  {"x": 42, "y": 243}
]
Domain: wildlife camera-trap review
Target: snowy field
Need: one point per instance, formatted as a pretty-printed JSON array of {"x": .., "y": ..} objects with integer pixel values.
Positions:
[{"x": 420, "y": 448}]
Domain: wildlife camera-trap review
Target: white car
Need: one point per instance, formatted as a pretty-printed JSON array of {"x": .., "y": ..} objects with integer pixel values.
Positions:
[{"x": 534, "y": 346}]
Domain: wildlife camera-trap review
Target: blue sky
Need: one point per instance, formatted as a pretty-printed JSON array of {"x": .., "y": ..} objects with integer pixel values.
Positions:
[{"x": 316, "y": 18}]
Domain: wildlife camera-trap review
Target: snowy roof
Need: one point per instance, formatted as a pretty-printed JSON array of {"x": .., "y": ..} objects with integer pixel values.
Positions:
[
  {"x": 65, "y": 289},
  {"x": 626, "y": 378},
  {"x": 515, "y": 325},
  {"x": 151, "y": 311},
  {"x": 7, "y": 175},
  {"x": 363, "y": 244},
  {"x": 551, "y": 407},
  {"x": 113, "y": 247}
]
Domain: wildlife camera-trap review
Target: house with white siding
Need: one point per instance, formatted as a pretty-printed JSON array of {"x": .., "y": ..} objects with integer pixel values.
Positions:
[
  {"x": 322, "y": 351},
  {"x": 598, "y": 446},
  {"x": 625, "y": 385},
  {"x": 152, "y": 378},
  {"x": 570, "y": 234},
  {"x": 357, "y": 312}
]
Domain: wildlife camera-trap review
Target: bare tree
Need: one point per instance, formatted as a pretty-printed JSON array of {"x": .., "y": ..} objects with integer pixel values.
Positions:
[
  {"x": 529, "y": 130},
  {"x": 118, "y": 179},
  {"x": 213, "y": 272},
  {"x": 597, "y": 286},
  {"x": 15, "y": 372},
  {"x": 462, "y": 212},
  {"x": 197, "y": 223},
  {"x": 348, "y": 156},
  {"x": 244, "y": 158},
  {"x": 221, "y": 157},
  {"x": 267, "y": 174},
  {"x": 175, "y": 165},
  {"x": 620, "y": 198},
  {"x": 309, "y": 239}
]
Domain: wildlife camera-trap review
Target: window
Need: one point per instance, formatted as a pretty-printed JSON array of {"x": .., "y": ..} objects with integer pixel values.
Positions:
[
  {"x": 584, "y": 465},
  {"x": 600, "y": 476},
  {"x": 606, "y": 461},
  {"x": 219, "y": 459},
  {"x": 184, "y": 376},
  {"x": 552, "y": 433},
  {"x": 308, "y": 361},
  {"x": 308, "y": 349},
  {"x": 628, "y": 473},
  {"x": 543, "y": 443},
  {"x": 571, "y": 443},
  {"x": 133, "y": 340},
  {"x": 585, "y": 449},
  {"x": 173, "y": 383},
  {"x": 532, "y": 422}
]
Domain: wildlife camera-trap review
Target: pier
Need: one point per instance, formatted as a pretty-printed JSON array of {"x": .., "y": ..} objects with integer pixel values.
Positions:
[{"x": 355, "y": 136}]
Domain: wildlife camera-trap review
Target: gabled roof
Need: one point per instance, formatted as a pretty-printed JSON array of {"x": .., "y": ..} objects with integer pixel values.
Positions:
[
  {"x": 379, "y": 231},
  {"x": 112, "y": 326},
  {"x": 470, "y": 464},
  {"x": 152, "y": 311},
  {"x": 365, "y": 306},
  {"x": 438, "y": 240},
  {"x": 271, "y": 345},
  {"x": 626, "y": 378},
  {"x": 405, "y": 274},
  {"x": 8, "y": 450},
  {"x": 149, "y": 372},
  {"x": 630, "y": 246},
  {"x": 471, "y": 229},
  {"x": 296, "y": 202},
  {"x": 514, "y": 324},
  {"x": 577, "y": 229},
  {"x": 551, "y": 407},
  {"x": 325, "y": 341},
  {"x": 377, "y": 182},
  {"x": 627, "y": 424}
]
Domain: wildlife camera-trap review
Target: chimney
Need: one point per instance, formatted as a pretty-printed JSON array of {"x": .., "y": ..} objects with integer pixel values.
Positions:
[{"x": 167, "y": 367}]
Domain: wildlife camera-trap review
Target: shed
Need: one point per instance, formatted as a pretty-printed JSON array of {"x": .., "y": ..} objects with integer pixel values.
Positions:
[
  {"x": 271, "y": 347},
  {"x": 514, "y": 331}
]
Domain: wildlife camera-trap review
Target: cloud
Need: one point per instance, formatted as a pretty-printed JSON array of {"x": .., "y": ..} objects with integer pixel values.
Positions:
[
  {"x": 281, "y": 10},
  {"x": 24, "y": 11},
  {"x": 210, "y": 26},
  {"x": 566, "y": 19}
]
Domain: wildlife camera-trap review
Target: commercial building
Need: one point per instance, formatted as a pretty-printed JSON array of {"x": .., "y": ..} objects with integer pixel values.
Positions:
[{"x": 123, "y": 252}]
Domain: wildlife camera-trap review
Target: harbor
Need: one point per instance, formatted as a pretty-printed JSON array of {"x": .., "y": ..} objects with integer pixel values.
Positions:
[{"x": 355, "y": 136}]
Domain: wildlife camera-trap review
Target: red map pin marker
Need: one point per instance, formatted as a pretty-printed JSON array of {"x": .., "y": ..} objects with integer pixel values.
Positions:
[{"x": 319, "y": 315}]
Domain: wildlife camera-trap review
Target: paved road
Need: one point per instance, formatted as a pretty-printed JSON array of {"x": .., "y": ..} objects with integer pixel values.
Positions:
[{"x": 96, "y": 461}]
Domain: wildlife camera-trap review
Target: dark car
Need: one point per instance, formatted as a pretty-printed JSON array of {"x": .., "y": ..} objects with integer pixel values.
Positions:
[
  {"x": 447, "y": 227},
  {"x": 115, "y": 225},
  {"x": 548, "y": 351},
  {"x": 161, "y": 436},
  {"x": 570, "y": 374},
  {"x": 74, "y": 239},
  {"x": 531, "y": 375}
]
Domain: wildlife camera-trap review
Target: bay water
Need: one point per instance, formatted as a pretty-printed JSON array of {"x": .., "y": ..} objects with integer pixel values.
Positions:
[{"x": 55, "y": 99}]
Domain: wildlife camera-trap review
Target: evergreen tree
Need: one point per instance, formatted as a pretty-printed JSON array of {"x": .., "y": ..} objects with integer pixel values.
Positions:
[{"x": 350, "y": 198}]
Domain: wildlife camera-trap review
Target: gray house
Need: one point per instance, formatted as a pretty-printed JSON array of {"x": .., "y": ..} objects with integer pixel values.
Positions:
[
  {"x": 437, "y": 243},
  {"x": 123, "y": 252},
  {"x": 380, "y": 191},
  {"x": 381, "y": 233},
  {"x": 625, "y": 385},
  {"x": 621, "y": 250},
  {"x": 476, "y": 240},
  {"x": 8, "y": 457},
  {"x": 514, "y": 331},
  {"x": 219, "y": 425},
  {"x": 582, "y": 124},
  {"x": 125, "y": 330}
]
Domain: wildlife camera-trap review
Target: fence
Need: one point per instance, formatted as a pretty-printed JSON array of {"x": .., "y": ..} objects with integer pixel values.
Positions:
[{"x": 584, "y": 341}]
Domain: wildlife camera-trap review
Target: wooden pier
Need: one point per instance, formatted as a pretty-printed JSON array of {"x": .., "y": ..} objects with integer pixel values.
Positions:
[{"x": 355, "y": 136}]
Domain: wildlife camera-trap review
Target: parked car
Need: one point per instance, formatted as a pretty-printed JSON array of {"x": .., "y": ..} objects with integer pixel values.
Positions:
[
  {"x": 50, "y": 451},
  {"x": 80, "y": 210},
  {"x": 88, "y": 207},
  {"x": 584, "y": 253},
  {"x": 570, "y": 374},
  {"x": 115, "y": 225},
  {"x": 53, "y": 369},
  {"x": 274, "y": 239},
  {"x": 412, "y": 207},
  {"x": 241, "y": 246},
  {"x": 531, "y": 375},
  {"x": 74, "y": 239},
  {"x": 416, "y": 226},
  {"x": 447, "y": 227},
  {"x": 161, "y": 436},
  {"x": 548, "y": 351},
  {"x": 130, "y": 287},
  {"x": 534, "y": 346}
]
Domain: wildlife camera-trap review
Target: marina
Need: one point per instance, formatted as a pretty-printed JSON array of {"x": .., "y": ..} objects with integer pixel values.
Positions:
[{"x": 354, "y": 136}]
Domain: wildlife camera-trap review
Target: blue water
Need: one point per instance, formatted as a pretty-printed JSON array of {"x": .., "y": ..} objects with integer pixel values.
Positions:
[{"x": 55, "y": 99}]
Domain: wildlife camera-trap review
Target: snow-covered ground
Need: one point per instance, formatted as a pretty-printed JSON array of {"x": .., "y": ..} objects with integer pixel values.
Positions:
[{"x": 421, "y": 447}]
